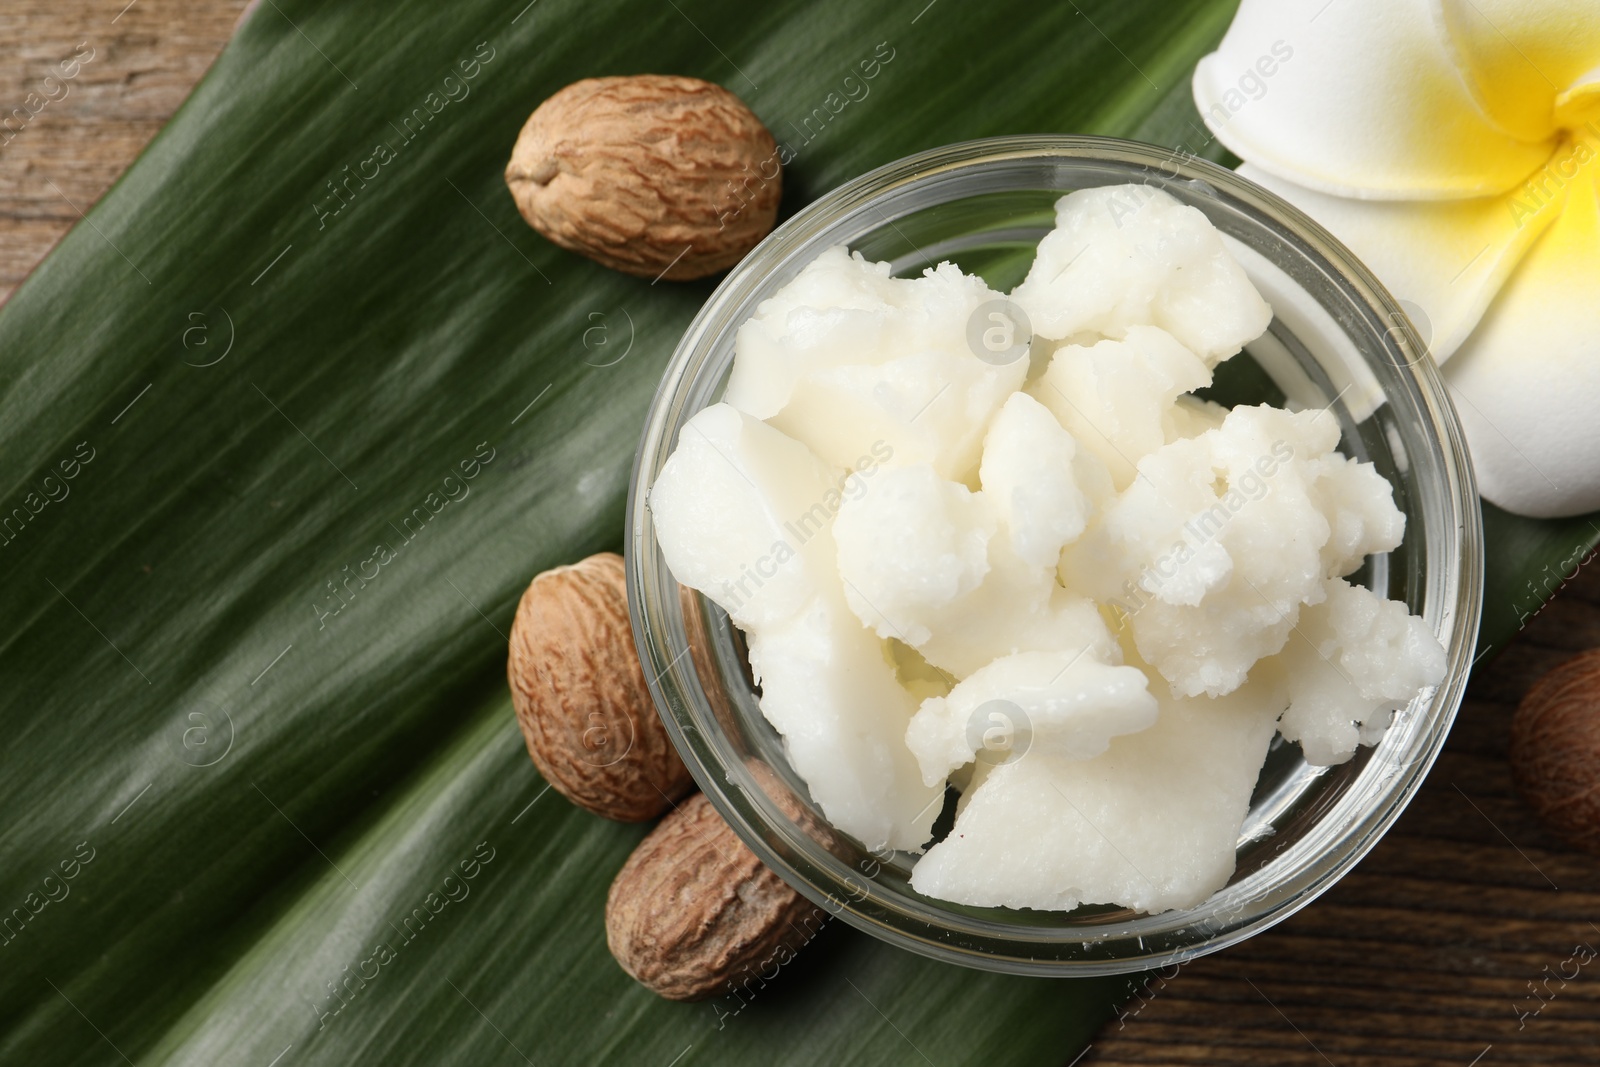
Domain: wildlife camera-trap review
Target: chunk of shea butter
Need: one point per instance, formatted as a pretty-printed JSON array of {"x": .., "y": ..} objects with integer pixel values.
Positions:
[
  {"x": 735, "y": 509},
  {"x": 1150, "y": 824},
  {"x": 1070, "y": 703},
  {"x": 928, "y": 550},
  {"x": 829, "y": 687},
  {"x": 1210, "y": 553},
  {"x": 734, "y": 512},
  {"x": 1353, "y": 660},
  {"x": 913, "y": 544},
  {"x": 1362, "y": 518},
  {"x": 925, "y": 561},
  {"x": 846, "y": 357},
  {"x": 787, "y": 335},
  {"x": 1129, "y": 255},
  {"x": 1192, "y": 416},
  {"x": 1042, "y": 485},
  {"x": 1120, "y": 397}
]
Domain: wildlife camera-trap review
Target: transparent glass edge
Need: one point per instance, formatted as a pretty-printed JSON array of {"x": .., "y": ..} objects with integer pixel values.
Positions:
[{"x": 1459, "y": 597}]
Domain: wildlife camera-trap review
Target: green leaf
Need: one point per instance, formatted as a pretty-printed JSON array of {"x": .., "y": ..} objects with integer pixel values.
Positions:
[
  {"x": 1527, "y": 563},
  {"x": 218, "y": 684},
  {"x": 515, "y": 958},
  {"x": 273, "y": 739}
]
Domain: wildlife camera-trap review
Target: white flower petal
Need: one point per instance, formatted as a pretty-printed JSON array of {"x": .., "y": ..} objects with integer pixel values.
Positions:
[
  {"x": 1448, "y": 258},
  {"x": 1527, "y": 382},
  {"x": 1359, "y": 98},
  {"x": 1518, "y": 55}
]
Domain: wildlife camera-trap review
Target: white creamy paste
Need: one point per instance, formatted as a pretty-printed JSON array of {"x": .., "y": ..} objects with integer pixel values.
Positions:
[{"x": 1056, "y": 579}]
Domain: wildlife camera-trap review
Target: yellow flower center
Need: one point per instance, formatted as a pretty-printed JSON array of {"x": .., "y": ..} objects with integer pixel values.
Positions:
[{"x": 1576, "y": 115}]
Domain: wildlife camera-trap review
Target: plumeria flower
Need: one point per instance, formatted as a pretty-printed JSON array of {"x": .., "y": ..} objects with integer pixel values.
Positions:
[{"x": 1454, "y": 146}]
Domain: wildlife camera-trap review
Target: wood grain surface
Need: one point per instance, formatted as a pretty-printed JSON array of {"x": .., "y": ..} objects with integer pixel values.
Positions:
[
  {"x": 1440, "y": 946},
  {"x": 54, "y": 164},
  {"x": 1448, "y": 945}
]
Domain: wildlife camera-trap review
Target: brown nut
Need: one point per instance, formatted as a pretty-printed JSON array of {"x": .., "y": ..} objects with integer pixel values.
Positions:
[
  {"x": 581, "y": 697},
  {"x": 1555, "y": 749},
  {"x": 693, "y": 913},
  {"x": 652, "y": 175}
]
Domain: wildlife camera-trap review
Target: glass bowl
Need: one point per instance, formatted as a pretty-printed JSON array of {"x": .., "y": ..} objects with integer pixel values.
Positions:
[{"x": 1338, "y": 340}]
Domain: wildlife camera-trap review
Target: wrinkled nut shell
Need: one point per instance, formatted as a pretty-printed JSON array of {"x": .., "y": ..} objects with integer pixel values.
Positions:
[
  {"x": 648, "y": 174},
  {"x": 1555, "y": 749},
  {"x": 581, "y": 697},
  {"x": 693, "y": 913}
]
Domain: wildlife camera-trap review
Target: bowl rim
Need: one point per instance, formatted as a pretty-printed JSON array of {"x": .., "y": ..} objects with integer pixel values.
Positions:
[{"x": 751, "y": 814}]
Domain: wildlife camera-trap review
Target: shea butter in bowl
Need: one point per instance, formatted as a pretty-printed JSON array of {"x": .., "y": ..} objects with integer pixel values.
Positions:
[{"x": 1336, "y": 462}]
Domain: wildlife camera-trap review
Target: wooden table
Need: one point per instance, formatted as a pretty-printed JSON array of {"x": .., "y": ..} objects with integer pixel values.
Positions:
[{"x": 1425, "y": 954}]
